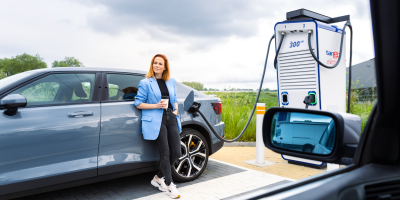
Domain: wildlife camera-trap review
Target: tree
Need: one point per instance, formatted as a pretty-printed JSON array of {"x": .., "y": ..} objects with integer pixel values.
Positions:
[
  {"x": 20, "y": 63},
  {"x": 67, "y": 62},
  {"x": 195, "y": 85}
]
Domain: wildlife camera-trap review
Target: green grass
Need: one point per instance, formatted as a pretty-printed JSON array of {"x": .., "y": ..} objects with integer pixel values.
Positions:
[
  {"x": 236, "y": 109},
  {"x": 237, "y": 106},
  {"x": 361, "y": 109}
]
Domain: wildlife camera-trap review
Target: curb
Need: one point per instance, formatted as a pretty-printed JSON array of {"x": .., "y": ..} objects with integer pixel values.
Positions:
[{"x": 239, "y": 144}]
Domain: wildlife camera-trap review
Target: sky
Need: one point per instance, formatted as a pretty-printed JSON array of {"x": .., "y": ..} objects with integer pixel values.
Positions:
[{"x": 222, "y": 44}]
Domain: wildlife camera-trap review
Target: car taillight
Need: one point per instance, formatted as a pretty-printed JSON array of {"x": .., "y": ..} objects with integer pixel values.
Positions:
[{"x": 217, "y": 108}]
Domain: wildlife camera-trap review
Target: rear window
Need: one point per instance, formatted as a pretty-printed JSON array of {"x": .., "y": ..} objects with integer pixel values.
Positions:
[{"x": 123, "y": 87}]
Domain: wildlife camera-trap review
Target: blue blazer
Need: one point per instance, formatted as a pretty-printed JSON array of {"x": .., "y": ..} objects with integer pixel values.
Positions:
[{"x": 150, "y": 93}]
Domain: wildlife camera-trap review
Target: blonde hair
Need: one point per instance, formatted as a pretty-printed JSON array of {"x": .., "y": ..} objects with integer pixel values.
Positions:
[{"x": 166, "y": 73}]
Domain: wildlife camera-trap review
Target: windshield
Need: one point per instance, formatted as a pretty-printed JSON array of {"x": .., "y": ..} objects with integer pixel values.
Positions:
[{"x": 11, "y": 79}]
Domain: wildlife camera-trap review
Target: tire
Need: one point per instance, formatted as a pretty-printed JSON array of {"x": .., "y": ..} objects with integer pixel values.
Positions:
[{"x": 193, "y": 162}]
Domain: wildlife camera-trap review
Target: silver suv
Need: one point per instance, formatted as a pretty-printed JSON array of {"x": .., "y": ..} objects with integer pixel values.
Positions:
[{"x": 66, "y": 124}]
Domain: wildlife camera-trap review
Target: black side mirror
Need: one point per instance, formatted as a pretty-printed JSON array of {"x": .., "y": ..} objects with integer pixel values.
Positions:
[
  {"x": 312, "y": 134},
  {"x": 12, "y": 102}
]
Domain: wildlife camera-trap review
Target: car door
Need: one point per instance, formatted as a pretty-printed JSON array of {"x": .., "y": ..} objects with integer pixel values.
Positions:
[
  {"x": 57, "y": 133},
  {"x": 122, "y": 146}
]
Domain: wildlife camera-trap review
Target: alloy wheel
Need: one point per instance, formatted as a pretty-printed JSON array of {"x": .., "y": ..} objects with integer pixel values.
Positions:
[{"x": 193, "y": 158}]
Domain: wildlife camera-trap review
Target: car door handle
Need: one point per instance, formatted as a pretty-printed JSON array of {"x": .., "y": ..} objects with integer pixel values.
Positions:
[
  {"x": 80, "y": 114},
  {"x": 281, "y": 138}
]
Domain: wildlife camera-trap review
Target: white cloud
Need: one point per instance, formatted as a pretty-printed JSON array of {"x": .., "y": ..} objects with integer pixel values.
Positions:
[{"x": 200, "y": 48}]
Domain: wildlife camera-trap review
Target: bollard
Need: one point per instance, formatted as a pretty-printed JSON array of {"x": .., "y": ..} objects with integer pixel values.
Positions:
[{"x": 259, "y": 137}]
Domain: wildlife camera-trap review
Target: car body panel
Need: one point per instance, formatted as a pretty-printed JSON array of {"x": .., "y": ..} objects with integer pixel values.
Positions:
[
  {"x": 121, "y": 139},
  {"x": 43, "y": 141},
  {"x": 207, "y": 109}
]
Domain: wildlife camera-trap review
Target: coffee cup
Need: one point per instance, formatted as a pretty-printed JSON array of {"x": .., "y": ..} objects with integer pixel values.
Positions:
[{"x": 166, "y": 100}]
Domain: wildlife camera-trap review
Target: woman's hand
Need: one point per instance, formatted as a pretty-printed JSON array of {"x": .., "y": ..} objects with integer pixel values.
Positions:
[
  {"x": 161, "y": 104},
  {"x": 175, "y": 112}
]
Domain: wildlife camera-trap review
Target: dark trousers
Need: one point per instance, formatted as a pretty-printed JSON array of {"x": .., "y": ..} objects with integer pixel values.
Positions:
[{"x": 169, "y": 145}]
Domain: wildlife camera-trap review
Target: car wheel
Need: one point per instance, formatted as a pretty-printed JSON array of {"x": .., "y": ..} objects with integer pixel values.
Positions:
[{"x": 194, "y": 158}]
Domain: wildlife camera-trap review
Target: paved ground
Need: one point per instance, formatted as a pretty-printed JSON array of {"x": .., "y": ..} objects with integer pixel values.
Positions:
[
  {"x": 236, "y": 156},
  {"x": 220, "y": 180},
  {"x": 226, "y": 176}
]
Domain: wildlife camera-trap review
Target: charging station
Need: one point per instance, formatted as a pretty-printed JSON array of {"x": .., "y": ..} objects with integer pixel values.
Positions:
[
  {"x": 300, "y": 77},
  {"x": 310, "y": 71},
  {"x": 298, "y": 73}
]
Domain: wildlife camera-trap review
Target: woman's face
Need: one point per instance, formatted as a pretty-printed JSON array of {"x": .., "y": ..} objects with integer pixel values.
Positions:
[{"x": 158, "y": 65}]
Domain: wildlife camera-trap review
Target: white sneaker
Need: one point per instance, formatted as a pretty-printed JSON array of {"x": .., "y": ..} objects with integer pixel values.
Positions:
[
  {"x": 159, "y": 183},
  {"x": 172, "y": 191}
]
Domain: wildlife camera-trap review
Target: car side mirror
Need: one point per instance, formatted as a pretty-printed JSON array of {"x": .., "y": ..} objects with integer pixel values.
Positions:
[
  {"x": 312, "y": 134},
  {"x": 12, "y": 102}
]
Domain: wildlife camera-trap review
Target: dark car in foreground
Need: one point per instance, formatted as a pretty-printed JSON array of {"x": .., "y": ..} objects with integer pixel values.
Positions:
[{"x": 62, "y": 127}]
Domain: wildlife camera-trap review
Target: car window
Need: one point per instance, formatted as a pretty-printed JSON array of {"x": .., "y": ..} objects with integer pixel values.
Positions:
[
  {"x": 58, "y": 89},
  {"x": 87, "y": 87},
  {"x": 11, "y": 79},
  {"x": 123, "y": 87}
]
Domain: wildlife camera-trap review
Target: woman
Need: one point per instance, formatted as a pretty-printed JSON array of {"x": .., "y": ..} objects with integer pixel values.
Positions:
[{"x": 161, "y": 124}]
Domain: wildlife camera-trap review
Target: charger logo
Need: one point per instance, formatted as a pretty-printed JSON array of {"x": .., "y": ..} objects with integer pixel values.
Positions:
[{"x": 335, "y": 54}]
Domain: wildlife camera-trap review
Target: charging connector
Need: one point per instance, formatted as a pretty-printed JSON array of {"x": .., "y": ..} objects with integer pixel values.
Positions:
[{"x": 307, "y": 101}]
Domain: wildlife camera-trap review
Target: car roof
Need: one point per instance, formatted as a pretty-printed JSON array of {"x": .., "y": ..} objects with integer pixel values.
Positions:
[{"x": 105, "y": 69}]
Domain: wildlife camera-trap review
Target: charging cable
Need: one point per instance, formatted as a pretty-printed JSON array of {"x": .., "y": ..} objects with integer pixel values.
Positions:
[
  {"x": 195, "y": 108},
  {"x": 279, "y": 48},
  {"x": 347, "y": 24}
]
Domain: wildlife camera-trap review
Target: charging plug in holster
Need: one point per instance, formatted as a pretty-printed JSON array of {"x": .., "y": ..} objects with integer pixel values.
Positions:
[{"x": 308, "y": 100}]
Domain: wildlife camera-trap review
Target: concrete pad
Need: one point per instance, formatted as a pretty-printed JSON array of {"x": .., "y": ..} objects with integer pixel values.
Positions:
[
  {"x": 236, "y": 156},
  {"x": 253, "y": 162}
]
